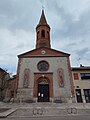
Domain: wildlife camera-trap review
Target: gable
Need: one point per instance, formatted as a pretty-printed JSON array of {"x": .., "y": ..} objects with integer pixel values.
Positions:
[{"x": 44, "y": 52}]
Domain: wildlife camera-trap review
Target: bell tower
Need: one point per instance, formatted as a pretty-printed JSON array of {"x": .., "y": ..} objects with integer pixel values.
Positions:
[{"x": 43, "y": 33}]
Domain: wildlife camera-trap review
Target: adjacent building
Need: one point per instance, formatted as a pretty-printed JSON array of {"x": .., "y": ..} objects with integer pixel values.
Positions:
[
  {"x": 10, "y": 89},
  {"x": 3, "y": 83},
  {"x": 81, "y": 79}
]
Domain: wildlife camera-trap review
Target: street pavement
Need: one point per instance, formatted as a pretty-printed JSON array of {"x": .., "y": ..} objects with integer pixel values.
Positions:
[{"x": 76, "y": 117}]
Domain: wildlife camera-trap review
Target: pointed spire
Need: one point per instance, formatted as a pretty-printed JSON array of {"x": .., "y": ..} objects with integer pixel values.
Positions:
[
  {"x": 42, "y": 19},
  {"x": 43, "y": 32}
]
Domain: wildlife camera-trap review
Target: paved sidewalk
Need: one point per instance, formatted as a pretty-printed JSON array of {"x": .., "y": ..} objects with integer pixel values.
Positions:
[{"x": 51, "y": 118}]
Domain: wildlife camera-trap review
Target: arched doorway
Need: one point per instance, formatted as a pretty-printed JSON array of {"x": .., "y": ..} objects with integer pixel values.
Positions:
[{"x": 43, "y": 90}]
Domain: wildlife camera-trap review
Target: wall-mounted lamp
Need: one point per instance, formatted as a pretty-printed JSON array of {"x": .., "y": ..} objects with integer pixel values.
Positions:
[{"x": 43, "y": 76}]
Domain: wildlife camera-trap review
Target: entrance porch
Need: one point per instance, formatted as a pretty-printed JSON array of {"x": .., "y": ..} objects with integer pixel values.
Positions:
[{"x": 43, "y": 87}]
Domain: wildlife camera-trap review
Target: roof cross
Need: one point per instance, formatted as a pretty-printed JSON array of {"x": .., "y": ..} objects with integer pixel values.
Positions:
[
  {"x": 42, "y": 7},
  {"x": 42, "y": 1}
]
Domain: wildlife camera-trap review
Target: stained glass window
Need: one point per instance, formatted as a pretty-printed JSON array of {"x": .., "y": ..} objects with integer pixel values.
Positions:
[{"x": 43, "y": 66}]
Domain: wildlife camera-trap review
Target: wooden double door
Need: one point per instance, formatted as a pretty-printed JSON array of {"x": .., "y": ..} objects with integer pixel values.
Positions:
[{"x": 43, "y": 92}]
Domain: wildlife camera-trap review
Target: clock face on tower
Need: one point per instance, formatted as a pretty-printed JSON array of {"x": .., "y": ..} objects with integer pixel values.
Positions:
[
  {"x": 43, "y": 52},
  {"x": 43, "y": 66}
]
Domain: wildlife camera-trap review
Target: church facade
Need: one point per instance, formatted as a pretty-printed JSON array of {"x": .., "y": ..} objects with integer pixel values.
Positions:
[{"x": 44, "y": 74}]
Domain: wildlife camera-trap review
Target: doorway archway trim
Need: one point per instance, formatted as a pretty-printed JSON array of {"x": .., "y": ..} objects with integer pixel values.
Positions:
[{"x": 49, "y": 77}]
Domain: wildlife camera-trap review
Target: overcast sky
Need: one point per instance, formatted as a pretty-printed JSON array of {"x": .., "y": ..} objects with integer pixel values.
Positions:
[{"x": 70, "y": 29}]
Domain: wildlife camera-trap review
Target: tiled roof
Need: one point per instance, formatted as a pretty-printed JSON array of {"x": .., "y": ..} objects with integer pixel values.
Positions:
[{"x": 80, "y": 68}]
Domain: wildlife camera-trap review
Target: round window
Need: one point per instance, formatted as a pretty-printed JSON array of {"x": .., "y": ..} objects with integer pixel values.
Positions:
[{"x": 43, "y": 66}]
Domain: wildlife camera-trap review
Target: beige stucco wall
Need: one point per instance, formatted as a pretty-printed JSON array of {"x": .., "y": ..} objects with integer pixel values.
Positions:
[
  {"x": 83, "y": 84},
  {"x": 54, "y": 64}
]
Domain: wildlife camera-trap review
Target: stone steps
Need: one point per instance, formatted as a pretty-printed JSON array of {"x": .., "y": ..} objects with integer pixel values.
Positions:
[
  {"x": 45, "y": 109},
  {"x": 38, "y": 111}
]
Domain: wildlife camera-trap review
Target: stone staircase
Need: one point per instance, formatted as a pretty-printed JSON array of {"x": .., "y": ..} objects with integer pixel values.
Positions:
[{"x": 46, "y": 109}]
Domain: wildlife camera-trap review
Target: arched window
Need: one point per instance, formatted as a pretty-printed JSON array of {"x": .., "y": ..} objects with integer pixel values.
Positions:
[
  {"x": 26, "y": 78},
  {"x": 37, "y": 34},
  {"x": 43, "y": 33},
  {"x": 47, "y": 34},
  {"x": 43, "y": 66}
]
